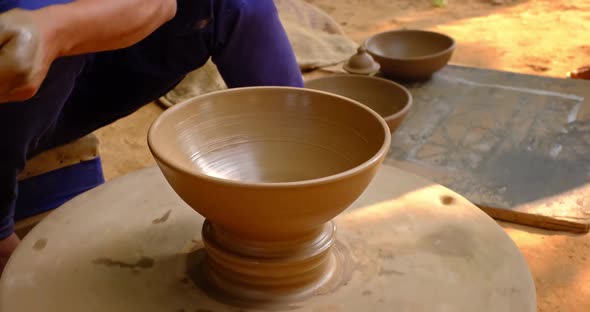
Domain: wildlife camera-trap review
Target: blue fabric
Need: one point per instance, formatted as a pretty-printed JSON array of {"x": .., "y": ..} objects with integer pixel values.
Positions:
[
  {"x": 82, "y": 93},
  {"x": 50, "y": 190},
  {"x": 6, "y": 5}
]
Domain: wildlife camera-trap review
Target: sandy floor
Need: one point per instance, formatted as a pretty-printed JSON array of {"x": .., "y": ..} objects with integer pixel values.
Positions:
[{"x": 545, "y": 37}]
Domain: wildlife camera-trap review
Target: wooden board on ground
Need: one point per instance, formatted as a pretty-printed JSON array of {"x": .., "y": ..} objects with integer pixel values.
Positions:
[{"x": 516, "y": 145}]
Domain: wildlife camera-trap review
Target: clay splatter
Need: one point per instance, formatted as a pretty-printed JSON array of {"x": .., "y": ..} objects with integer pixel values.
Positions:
[
  {"x": 447, "y": 200},
  {"x": 143, "y": 263},
  {"x": 389, "y": 272},
  {"x": 163, "y": 218},
  {"x": 386, "y": 254},
  {"x": 40, "y": 244}
]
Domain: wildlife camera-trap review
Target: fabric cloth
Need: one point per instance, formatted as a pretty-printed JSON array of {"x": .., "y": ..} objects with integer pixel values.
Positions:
[
  {"x": 52, "y": 189},
  {"x": 244, "y": 38},
  {"x": 55, "y": 176},
  {"x": 317, "y": 39}
]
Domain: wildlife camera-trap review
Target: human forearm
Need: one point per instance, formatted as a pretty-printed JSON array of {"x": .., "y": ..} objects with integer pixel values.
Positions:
[{"x": 86, "y": 26}]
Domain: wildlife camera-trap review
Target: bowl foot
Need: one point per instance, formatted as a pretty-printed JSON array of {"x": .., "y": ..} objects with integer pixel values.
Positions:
[{"x": 246, "y": 272}]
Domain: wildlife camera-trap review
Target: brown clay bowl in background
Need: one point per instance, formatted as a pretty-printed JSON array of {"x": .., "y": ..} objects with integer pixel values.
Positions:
[
  {"x": 410, "y": 55},
  {"x": 389, "y": 99},
  {"x": 269, "y": 163}
]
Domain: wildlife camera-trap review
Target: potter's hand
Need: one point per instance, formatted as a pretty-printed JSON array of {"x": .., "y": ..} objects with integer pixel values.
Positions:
[{"x": 24, "y": 57}]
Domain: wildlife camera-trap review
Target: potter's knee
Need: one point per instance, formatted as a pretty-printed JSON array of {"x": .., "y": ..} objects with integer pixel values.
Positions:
[
  {"x": 234, "y": 18},
  {"x": 246, "y": 10},
  {"x": 61, "y": 74},
  {"x": 23, "y": 124}
]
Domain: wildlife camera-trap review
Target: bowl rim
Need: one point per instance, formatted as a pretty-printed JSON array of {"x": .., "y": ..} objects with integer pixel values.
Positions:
[
  {"x": 390, "y": 117},
  {"x": 410, "y": 58},
  {"x": 161, "y": 157}
]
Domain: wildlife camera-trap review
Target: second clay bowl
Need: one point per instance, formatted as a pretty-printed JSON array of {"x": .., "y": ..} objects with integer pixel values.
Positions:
[
  {"x": 390, "y": 100},
  {"x": 410, "y": 55}
]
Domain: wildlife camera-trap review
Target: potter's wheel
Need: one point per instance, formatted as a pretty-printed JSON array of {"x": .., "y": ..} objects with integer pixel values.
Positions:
[{"x": 125, "y": 246}]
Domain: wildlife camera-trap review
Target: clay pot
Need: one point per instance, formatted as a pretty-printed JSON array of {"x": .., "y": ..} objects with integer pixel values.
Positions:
[
  {"x": 410, "y": 55},
  {"x": 269, "y": 168},
  {"x": 390, "y": 100}
]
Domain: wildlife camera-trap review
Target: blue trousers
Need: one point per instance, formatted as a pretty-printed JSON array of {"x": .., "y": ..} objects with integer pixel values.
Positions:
[{"x": 244, "y": 38}]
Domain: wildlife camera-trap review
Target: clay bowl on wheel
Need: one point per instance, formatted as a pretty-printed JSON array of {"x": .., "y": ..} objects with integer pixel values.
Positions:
[
  {"x": 269, "y": 163},
  {"x": 410, "y": 55},
  {"x": 389, "y": 99}
]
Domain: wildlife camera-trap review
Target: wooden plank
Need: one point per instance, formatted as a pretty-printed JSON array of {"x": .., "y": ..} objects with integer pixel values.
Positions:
[
  {"x": 535, "y": 220},
  {"x": 516, "y": 145}
]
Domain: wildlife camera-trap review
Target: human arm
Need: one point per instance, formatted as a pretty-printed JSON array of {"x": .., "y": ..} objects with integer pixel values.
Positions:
[
  {"x": 86, "y": 26},
  {"x": 30, "y": 40}
]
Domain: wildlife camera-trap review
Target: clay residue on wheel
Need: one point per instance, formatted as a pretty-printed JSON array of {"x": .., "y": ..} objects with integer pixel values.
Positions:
[
  {"x": 40, "y": 244},
  {"x": 142, "y": 263},
  {"x": 163, "y": 218},
  {"x": 345, "y": 266}
]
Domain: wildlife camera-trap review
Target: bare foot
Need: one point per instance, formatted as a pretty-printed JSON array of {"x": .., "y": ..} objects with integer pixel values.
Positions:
[{"x": 7, "y": 246}]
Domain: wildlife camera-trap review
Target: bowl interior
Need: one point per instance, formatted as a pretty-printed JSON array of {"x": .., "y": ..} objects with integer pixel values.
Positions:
[
  {"x": 407, "y": 44},
  {"x": 267, "y": 135},
  {"x": 383, "y": 96}
]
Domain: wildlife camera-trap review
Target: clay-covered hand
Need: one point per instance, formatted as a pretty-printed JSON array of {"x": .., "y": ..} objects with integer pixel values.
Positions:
[{"x": 24, "y": 56}]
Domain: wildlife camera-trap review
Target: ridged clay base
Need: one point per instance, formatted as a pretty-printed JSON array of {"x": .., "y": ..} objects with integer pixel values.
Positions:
[
  {"x": 248, "y": 273},
  {"x": 133, "y": 245}
]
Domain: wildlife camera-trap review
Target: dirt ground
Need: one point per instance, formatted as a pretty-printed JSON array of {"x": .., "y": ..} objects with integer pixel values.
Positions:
[{"x": 544, "y": 37}]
